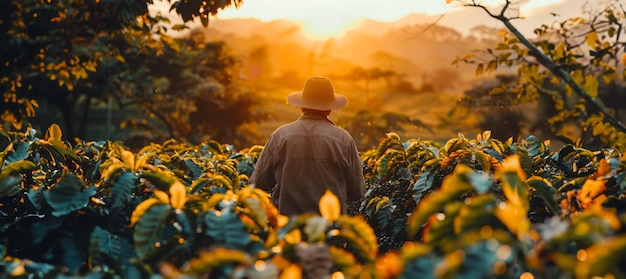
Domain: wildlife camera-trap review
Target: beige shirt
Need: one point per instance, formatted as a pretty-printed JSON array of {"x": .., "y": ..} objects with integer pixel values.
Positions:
[{"x": 304, "y": 158}]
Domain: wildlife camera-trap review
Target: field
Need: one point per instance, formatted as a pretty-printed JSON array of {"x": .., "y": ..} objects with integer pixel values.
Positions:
[
  {"x": 469, "y": 208},
  {"x": 427, "y": 107}
]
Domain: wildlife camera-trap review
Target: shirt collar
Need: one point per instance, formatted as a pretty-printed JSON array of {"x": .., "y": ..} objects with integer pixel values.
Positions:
[{"x": 313, "y": 115}]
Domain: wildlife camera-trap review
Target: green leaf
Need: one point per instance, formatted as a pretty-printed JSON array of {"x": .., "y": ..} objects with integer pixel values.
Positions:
[
  {"x": 455, "y": 144},
  {"x": 20, "y": 152},
  {"x": 392, "y": 140},
  {"x": 10, "y": 185},
  {"x": 383, "y": 215},
  {"x": 226, "y": 229},
  {"x": 68, "y": 195},
  {"x": 148, "y": 230},
  {"x": 69, "y": 252},
  {"x": 103, "y": 245},
  {"x": 359, "y": 235},
  {"x": 480, "y": 181},
  {"x": 478, "y": 261},
  {"x": 452, "y": 188},
  {"x": 218, "y": 259},
  {"x": 121, "y": 195},
  {"x": 160, "y": 180},
  {"x": 420, "y": 262},
  {"x": 113, "y": 250},
  {"x": 441, "y": 231},
  {"x": 195, "y": 169},
  {"x": 477, "y": 212},
  {"x": 43, "y": 227},
  {"x": 15, "y": 168},
  {"x": 387, "y": 162},
  {"x": 573, "y": 184},
  {"x": 542, "y": 188},
  {"x": 424, "y": 183}
]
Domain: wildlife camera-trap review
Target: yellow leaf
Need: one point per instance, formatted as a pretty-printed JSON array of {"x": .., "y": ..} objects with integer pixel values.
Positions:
[
  {"x": 577, "y": 76},
  {"x": 142, "y": 161},
  {"x": 294, "y": 236},
  {"x": 128, "y": 158},
  {"x": 512, "y": 164},
  {"x": 78, "y": 72},
  {"x": 480, "y": 69},
  {"x": 282, "y": 220},
  {"x": 329, "y": 206},
  {"x": 65, "y": 74},
  {"x": 178, "y": 195},
  {"x": 389, "y": 266},
  {"x": 162, "y": 196},
  {"x": 591, "y": 85},
  {"x": 591, "y": 39},
  {"x": 590, "y": 190},
  {"x": 54, "y": 133},
  {"x": 604, "y": 168},
  {"x": 141, "y": 209},
  {"x": 18, "y": 270},
  {"x": 624, "y": 59},
  {"x": 293, "y": 271},
  {"x": 513, "y": 217},
  {"x": 559, "y": 51}
]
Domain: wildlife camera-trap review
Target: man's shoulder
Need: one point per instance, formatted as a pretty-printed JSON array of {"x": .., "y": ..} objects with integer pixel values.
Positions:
[{"x": 326, "y": 129}]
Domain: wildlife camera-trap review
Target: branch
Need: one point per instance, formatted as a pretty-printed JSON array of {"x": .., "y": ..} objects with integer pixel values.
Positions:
[
  {"x": 161, "y": 116},
  {"x": 553, "y": 68}
]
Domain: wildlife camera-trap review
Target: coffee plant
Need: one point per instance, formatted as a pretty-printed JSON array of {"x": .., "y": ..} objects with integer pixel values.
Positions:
[{"x": 467, "y": 208}]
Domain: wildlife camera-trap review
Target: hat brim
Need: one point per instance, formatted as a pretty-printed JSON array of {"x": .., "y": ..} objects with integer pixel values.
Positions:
[{"x": 295, "y": 99}]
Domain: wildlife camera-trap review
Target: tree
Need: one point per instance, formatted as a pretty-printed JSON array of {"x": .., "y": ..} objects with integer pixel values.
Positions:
[
  {"x": 572, "y": 60},
  {"x": 194, "y": 90},
  {"x": 369, "y": 75},
  {"x": 66, "y": 52}
]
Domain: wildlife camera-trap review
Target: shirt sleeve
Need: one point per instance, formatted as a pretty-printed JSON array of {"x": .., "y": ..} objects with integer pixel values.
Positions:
[
  {"x": 263, "y": 175},
  {"x": 356, "y": 182}
]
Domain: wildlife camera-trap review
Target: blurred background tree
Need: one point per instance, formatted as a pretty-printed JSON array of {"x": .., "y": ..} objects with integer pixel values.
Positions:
[{"x": 62, "y": 58}]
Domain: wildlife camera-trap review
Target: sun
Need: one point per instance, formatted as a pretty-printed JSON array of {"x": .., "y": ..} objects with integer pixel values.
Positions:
[{"x": 325, "y": 28}]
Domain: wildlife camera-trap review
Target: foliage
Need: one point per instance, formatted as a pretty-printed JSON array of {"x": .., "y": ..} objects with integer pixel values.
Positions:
[
  {"x": 368, "y": 126},
  {"x": 72, "y": 54},
  {"x": 193, "y": 88},
  {"x": 571, "y": 64},
  {"x": 470, "y": 208}
]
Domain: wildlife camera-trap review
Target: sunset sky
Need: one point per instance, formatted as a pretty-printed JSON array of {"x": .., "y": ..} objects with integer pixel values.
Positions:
[
  {"x": 327, "y": 18},
  {"x": 355, "y": 9}
]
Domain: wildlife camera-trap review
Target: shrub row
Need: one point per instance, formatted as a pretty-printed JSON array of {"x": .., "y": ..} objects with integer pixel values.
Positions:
[{"x": 469, "y": 208}]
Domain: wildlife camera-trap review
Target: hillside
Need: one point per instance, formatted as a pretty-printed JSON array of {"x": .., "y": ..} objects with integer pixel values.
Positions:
[{"x": 277, "y": 58}]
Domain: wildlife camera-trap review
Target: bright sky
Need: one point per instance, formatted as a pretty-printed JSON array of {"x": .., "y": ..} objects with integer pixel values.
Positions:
[
  {"x": 386, "y": 10},
  {"x": 323, "y": 18},
  {"x": 326, "y": 18}
]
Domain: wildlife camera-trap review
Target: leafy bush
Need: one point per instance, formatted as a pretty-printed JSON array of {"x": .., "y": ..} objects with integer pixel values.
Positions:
[{"x": 469, "y": 208}]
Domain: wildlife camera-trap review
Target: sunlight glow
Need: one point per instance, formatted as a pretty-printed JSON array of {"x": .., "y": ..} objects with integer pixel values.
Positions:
[
  {"x": 322, "y": 29},
  {"x": 389, "y": 10}
]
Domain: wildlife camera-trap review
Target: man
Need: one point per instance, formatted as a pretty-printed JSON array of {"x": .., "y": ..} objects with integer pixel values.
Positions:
[{"x": 304, "y": 158}]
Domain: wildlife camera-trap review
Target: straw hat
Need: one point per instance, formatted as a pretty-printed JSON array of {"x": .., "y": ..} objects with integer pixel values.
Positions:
[{"x": 318, "y": 93}]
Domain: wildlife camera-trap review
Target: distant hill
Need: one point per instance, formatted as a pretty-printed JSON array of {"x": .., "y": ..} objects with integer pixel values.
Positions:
[
  {"x": 277, "y": 57},
  {"x": 412, "y": 47}
]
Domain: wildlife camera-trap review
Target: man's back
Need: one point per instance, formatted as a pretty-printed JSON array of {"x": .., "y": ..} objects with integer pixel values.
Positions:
[{"x": 306, "y": 157}]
